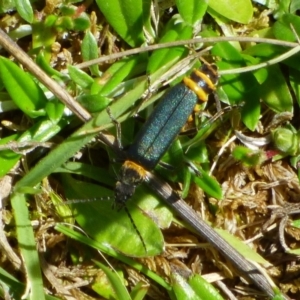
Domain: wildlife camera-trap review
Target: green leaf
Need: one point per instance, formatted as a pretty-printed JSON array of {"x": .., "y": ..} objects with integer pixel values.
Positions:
[
  {"x": 89, "y": 49},
  {"x": 260, "y": 74},
  {"x": 111, "y": 227},
  {"x": 247, "y": 156},
  {"x": 44, "y": 34},
  {"x": 80, "y": 77},
  {"x": 45, "y": 64},
  {"x": 187, "y": 176},
  {"x": 235, "y": 10},
  {"x": 174, "y": 31},
  {"x": 25, "y": 10},
  {"x": 55, "y": 110},
  {"x": 140, "y": 291},
  {"x": 41, "y": 132},
  {"x": 235, "y": 85},
  {"x": 239, "y": 87},
  {"x": 118, "y": 286},
  {"x": 209, "y": 185},
  {"x": 266, "y": 51},
  {"x": 282, "y": 28},
  {"x": 294, "y": 6},
  {"x": 281, "y": 7},
  {"x": 6, "y": 6},
  {"x": 182, "y": 289},
  {"x": 148, "y": 28},
  {"x": 14, "y": 288},
  {"x": 93, "y": 103},
  {"x": 295, "y": 83},
  {"x": 296, "y": 223},
  {"x": 204, "y": 289},
  {"x": 286, "y": 140},
  {"x": 111, "y": 252},
  {"x": 191, "y": 11},
  {"x": 229, "y": 53},
  {"x": 27, "y": 246},
  {"x": 275, "y": 91},
  {"x": 121, "y": 70},
  {"x": 126, "y": 17},
  {"x": 88, "y": 171},
  {"x": 82, "y": 22},
  {"x": 27, "y": 95},
  {"x": 241, "y": 247},
  {"x": 251, "y": 110},
  {"x": 278, "y": 295},
  {"x": 64, "y": 24}
]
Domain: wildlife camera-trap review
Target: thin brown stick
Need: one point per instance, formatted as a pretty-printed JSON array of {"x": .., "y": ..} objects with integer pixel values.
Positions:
[{"x": 185, "y": 42}]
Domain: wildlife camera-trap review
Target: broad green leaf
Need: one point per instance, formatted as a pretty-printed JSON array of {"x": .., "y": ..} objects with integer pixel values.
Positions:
[
  {"x": 27, "y": 95},
  {"x": 266, "y": 51},
  {"x": 25, "y": 10},
  {"x": 275, "y": 91},
  {"x": 235, "y": 10},
  {"x": 292, "y": 62},
  {"x": 114, "y": 228},
  {"x": 286, "y": 140},
  {"x": 126, "y": 17},
  {"x": 229, "y": 53},
  {"x": 192, "y": 11},
  {"x": 174, "y": 31},
  {"x": 260, "y": 74},
  {"x": 282, "y": 28},
  {"x": 281, "y": 7},
  {"x": 239, "y": 87},
  {"x": 243, "y": 87},
  {"x": 251, "y": 109},
  {"x": 294, "y": 6},
  {"x": 102, "y": 286},
  {"x": 236, "y": 86},
  {"x": 88, "y": 171},
  {"x": 148, "y": 204}
]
